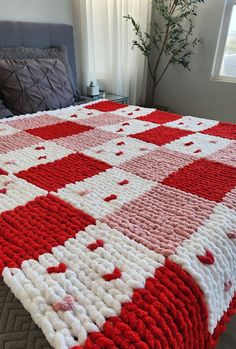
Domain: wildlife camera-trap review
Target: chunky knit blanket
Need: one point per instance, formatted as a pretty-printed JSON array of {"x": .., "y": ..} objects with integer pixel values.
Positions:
[{"x": 118, "y": 225}]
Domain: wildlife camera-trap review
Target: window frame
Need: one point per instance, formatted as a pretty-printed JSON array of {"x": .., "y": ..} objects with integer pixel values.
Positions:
[{"x": 222, "y": 39}]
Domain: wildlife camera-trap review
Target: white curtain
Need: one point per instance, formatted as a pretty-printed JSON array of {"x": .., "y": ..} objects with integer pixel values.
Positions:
[{"x": 104, "y": 40}]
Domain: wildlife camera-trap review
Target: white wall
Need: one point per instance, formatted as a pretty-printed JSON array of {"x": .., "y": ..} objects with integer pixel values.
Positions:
[
  {"x": 54, "y": 11},
  {"x": 194, "y": 93}
]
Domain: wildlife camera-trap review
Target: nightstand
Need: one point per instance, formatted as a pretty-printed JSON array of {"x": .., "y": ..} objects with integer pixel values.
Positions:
[
  {"x": 117, "y": 98},
  {"x": 109, "y": 96}
]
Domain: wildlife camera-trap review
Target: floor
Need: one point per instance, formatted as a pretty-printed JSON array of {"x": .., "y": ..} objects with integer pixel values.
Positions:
[{"x": 228, "y": 339}]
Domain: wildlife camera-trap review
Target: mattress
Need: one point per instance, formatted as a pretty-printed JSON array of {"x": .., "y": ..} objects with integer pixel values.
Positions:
[{"x": 117, "y": 229}]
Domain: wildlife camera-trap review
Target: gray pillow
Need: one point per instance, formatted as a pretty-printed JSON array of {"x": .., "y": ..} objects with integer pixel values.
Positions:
[
  {"x": 31, "y": 85},
  {"x": 39, "y": 53},
  {"x": 4, "y": 111}
]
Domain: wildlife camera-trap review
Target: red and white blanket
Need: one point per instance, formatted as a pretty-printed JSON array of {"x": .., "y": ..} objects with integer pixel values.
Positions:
[{"x": 118, "y": 225}]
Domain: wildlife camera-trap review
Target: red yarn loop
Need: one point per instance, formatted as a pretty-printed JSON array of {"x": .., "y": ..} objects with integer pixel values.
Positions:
[
  {"x": 188, "y": 144},
  {"x": 40, "y": 148},
  {"x": 228, "y": 285},
  {"x": 208, "y": 258},
  {"x": 3, "y": 191},
  {"x": 110, "y": 198},
  {"x": 119, "y": 153},
  {"x": 232, "y": 235},
  {"x": 113, "y": 276},
  {"x": 2, "y": 172},
  {"x": 124, "y": 182},
  {"x": 60, "y": 268},
  {"x": 95, "y": 245}
]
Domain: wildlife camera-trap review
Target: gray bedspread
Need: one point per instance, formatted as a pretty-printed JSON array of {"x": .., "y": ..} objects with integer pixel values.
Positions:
[{"x": 17, "y": 329}]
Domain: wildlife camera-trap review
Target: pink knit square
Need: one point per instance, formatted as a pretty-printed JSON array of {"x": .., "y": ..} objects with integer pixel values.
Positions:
[
  {"x": 157, "y": 165},
  {"x": 162, "y": 218},
  {"x": 103, "y": 120},
  {"x": 227, "y": 155},
  {"x": 230, "y": 199},
  {"x": 17, "y": 141},
  {"x": 85, "y": 140},
  {"x": 34, "y": 122}
]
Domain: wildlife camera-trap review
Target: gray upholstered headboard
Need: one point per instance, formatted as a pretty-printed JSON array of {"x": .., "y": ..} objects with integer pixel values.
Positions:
[{"x": 40, "y": 35}]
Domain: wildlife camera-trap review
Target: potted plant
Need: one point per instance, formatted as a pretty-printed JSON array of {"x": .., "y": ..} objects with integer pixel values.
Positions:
[{"x": 171, "y": 37}]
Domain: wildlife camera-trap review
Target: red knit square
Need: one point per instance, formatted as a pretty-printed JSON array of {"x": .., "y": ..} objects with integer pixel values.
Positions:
[
  {"x": 160, "y": 117},
  {"x": 59, "y": 130},
  {"x": 57, "y": 174},
  {"x": 161, "y": 135},
  {"x": 223, "y": 129},
  {"x": 31, "y": 230},
  {"x": 205, "y": 178},
  {"x": 106, "y": 106}
]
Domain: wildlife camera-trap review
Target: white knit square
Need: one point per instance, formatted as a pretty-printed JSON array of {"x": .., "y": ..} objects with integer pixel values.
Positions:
[
  {"x": 120, "y": 150},
  {"x": 6, "y": 130},
  {"x": 132, "y": 111},
  {"x": 16, "y": 192},
  {"x": 89, "y": 195},
  {"x": 198, "y": 144},
  {"x": 75, "y": 113},
  {"x": 191, "y": 123},
  {"x": 41, "y": 153},
  {"x": 129, "y": 127}
]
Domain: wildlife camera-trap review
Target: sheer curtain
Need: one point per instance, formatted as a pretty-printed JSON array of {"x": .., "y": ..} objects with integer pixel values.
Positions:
[{"x": 104, "y": 45}]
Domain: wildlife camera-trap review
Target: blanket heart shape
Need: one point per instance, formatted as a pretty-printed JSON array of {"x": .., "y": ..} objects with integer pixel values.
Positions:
[
  {"x": 3, "y": 191},
  {"x": 110, "y": 198},
  {"x": 124, "y": 182},
  {"x": 83, "y": 192},
  {"x": 115, "y": 275},
  {"x": 64, "y": 305},
  {"x": 232, "y": 235},
  {"x": 40, "y": 148},
  {"x": 60, "y": 268},
  {"x": 228, "y": 285},
  {"x": 10, "y": 162},
  {"x": 95, "y": 245},
  {"x": 208, "y": 258}
]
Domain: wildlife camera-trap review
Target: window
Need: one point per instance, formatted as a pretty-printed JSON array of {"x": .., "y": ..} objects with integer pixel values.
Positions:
[{"x": 225, "y": 60}]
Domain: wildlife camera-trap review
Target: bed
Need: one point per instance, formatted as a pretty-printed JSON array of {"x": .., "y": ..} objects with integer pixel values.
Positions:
[{"x": 117, "y": 227}]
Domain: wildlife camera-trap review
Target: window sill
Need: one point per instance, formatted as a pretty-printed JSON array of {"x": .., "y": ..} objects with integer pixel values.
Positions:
[{"x": 224, "y": 79}]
